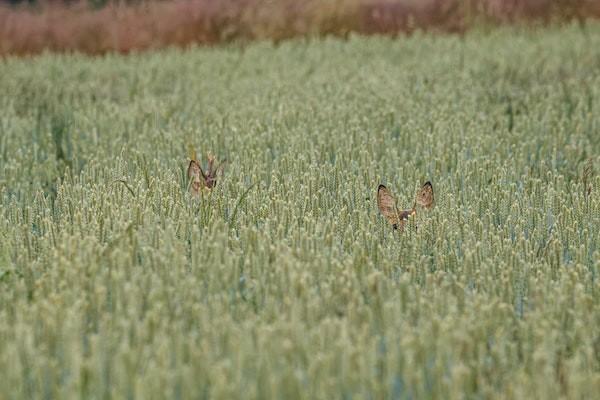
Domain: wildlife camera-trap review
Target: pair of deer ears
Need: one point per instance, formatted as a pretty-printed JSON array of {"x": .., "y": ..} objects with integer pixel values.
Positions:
[
  {"x": 424, "y": 197},
  {"x": 386, "y": 202},
  {"x": 195, "y": 169},
  {"x": 203, "y": 180}
]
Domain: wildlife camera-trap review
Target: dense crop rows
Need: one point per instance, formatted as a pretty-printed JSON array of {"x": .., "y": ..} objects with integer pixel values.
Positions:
[{"x": 285, "y": 282}]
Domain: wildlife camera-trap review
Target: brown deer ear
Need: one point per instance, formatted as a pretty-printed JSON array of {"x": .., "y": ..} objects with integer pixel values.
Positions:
[
  {"x": 387, "y": 205},
  {"x": 195, "y": 170},
  {"x": 211, "y": 161},
  {"x": 220, "y": 170},
  {"x": 210, "y": 180},
  {"x": 425, "y": 196}
]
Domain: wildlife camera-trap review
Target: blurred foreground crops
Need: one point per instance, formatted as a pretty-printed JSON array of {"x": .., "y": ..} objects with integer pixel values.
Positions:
[
  {"x": 123, "y": 26},
  {"x": 285, "y": 282}
]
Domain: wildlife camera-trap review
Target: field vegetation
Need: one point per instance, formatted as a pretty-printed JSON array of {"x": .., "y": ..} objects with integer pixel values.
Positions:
[{"x": 285, "y": 281}]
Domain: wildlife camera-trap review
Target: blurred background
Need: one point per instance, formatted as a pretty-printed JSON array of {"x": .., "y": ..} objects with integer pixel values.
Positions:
[{"x": 100, "y": 26}]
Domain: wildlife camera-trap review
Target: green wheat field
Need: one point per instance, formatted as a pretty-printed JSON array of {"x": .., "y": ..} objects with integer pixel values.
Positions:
[{"x": 285, "y": 282}]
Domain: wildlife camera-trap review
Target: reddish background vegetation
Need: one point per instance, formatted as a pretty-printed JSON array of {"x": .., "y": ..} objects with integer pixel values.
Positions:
[{"x": 117, "y": 27}]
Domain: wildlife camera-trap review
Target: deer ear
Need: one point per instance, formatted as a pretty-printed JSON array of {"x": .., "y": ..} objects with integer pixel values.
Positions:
[
  {"x": 221, "y": 168},
  {"x": 194, "y": 170},
  {"x": 211, "y": 162},
  {"x": 425, "y": 196},
  {"x": 386, "y": 203}
]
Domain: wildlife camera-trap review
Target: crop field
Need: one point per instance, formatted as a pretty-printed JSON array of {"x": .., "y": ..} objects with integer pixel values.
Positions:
[{"x": 285, "y": 281}]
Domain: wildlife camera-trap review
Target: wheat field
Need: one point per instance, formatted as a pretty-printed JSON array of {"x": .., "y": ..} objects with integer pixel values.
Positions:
[{"x": 285, "y": 281}]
